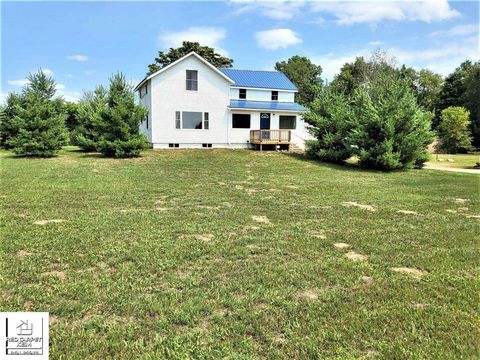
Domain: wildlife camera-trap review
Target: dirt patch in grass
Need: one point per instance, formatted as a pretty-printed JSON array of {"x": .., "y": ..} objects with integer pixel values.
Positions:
[
  {"x": 253, "y": 246},
  {"x": 22, "y": 253},
  {"x": 451, "y": 211},
  {"x": 279, "y": 339},
  {"x": 407, "y": 212},
  {"x": 250, "y": 227},
  {"x": 162, "y": 209},
  {"x": 473, "y": 216},
  {"x": 368, "y": 280},
  {"x": 462, "y": 209},
  {"x": 416, "y": 273},
  {"x": 261, "y": 219},
  {"x": 460, "y": 201},
  {"x": 360, "y": 206},
  {"x": 46, "y": 222},
  {"x": 55, "y": 273},
  {"x": 352, "y": 255},
  {"x": 204, "y": 237},
  {"x": 319, "y": 235},
  {"x": 308, "y": 294},
  {"x": 341, "y": 245}
]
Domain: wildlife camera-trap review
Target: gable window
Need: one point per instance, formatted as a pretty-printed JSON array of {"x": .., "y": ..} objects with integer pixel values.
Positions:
[
  {"x": 274, "y": 95},
  {"x": 192, "y": 80},
  {"x": 143, "y": 91},
  {"x": 206, "y": 121},
  {"x": 242, "y": 93},
  {"x": 241, "y": 121},
  {"x": 288, "y": 122},
  {"x": 177, "y": 119}
]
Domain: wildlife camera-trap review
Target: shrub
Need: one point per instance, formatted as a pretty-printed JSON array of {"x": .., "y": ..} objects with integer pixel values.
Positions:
[
  {"x": 453, "y": 130},
  {"x": 393, "y": 131},
  {"x": 331, "y": 122},
  {"x": 118, "y": 123},
  {"x": 86, "y": 135}
]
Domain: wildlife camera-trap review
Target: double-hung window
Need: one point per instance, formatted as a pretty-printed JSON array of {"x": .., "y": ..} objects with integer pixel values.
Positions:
[
  {"x": 274, "y": 95},
  {"x": 192, "y": 80},
  {"x": 242, "y": 93},
  {"x": 192, "y": 120}
]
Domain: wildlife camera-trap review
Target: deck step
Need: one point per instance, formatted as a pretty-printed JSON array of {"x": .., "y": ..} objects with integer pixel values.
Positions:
[{"x": 295, "y": 149}]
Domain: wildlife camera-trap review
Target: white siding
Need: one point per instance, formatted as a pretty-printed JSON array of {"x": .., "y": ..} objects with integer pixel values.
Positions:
[
  {"x": 263, "y": 95},
  {"x": 169, "y": 95},
  {"x": 146, "y": 101}
]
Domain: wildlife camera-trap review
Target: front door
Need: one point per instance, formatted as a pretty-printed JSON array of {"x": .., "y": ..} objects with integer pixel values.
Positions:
[
  {"x": 265, "y": 125},
  {"x": 264, "y": 121}
]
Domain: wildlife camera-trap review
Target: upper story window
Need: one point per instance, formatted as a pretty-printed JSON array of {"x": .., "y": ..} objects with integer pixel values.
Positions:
[
  {"x": 143, "y": 91},
  {"x": 192, "y": 80},
  {"x": 242, "y": 93},
  {"x": 274, "y": 95}
]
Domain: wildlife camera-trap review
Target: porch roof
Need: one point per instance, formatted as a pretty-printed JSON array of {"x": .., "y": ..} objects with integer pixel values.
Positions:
[{"x": 265, "y": 105}]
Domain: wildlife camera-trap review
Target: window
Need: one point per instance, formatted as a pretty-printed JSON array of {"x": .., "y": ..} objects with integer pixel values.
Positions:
[
  {"x": 241, "y": 121},
  {"x": 192, "y": 80},
  {"x": 205, "y": 121},
  {"x": 177, "y": 119},
  {"x": 173, "y": 145},
  {"x": 191, "y": 120},
  {"x": 274, "y": 95},
  {"x": 207, "y": 145},
  {"x": 146, "y": 121},
  {"x": 288, "y": 122},
  {"x": 143, "y": 91},
  {"x": 242, "y": 93}
]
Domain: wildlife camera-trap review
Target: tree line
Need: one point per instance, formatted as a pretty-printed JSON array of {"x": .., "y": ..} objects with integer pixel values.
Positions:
[{"x": 383, "y": 113}]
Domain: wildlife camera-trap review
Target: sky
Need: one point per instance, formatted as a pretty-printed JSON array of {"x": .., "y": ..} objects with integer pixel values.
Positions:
[{"x": 81, "y": 44}]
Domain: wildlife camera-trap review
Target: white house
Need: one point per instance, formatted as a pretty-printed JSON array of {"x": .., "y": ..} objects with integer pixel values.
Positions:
[{"x": 191, "y": 104}]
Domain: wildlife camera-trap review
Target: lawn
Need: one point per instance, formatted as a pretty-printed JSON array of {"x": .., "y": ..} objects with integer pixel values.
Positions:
[
  {"x": 231, "y": 254},
  {"x": 461, "y": 161}
]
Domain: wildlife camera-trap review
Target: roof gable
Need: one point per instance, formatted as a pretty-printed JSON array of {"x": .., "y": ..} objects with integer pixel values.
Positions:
[
  {"x": 259, "y": 79},
  {"x": 213, "y": 68}
]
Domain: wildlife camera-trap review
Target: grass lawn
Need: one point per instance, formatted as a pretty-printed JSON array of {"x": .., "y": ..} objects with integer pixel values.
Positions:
[
  {"x": 461, "y": 161},
  {"x": 230, "y": 254}
]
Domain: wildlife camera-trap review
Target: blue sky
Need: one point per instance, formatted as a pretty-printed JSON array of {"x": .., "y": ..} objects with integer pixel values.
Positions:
[{"x": 82, "y": 43}]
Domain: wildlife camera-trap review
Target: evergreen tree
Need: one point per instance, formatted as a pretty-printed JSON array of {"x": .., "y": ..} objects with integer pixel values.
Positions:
[
  {"x": 305, "y": 75},
  {"x": 331, "y": 121},
  {"x": 165, "y": 58},
  {"x": 7, "y": 128},
  {"x": 38, "y": 125},
  {"x": 471, "y": 101},
  {"x": 453, "y": 130},
  {"x": 89, "y": 110},
  {"x": 393, "y": 131},
  {"x": 118, "y": 123}
]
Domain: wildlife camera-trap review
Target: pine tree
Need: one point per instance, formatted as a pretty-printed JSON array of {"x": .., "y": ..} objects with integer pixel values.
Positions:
[
  {"x": 38, "y": 125},
  {"x": 331, "y": 121},
  {"x": 393, "y": 130},
  {"x": 453, "y": 130},
  {"x": 89, "y": 110},
  {"x": 7, "y": 128},
  {"x": 118, "y": 123}
]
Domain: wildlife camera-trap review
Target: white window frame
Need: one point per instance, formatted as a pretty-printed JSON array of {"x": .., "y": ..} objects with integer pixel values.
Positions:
[{"x": 179, "y": 120}]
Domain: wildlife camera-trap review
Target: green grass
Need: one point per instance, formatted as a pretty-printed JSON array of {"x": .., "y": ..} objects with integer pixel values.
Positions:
[
  {"x": 126, "y": 274},
  {"x": 461, "y": 161}
]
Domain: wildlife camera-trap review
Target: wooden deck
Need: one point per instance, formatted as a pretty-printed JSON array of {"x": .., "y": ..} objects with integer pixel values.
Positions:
[{"x": 270, "y": 137}]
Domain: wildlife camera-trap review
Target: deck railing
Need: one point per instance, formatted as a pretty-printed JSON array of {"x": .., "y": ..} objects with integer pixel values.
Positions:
[{"x": 270, "y": 136}]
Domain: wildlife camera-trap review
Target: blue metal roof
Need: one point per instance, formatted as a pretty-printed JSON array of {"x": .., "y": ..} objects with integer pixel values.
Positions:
[
  {"x": 259, "y": 79},
  {"x": 265, "y": 105}
]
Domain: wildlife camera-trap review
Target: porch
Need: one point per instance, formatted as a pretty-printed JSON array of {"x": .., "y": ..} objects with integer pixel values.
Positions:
[{"x": 270, "y": 137}]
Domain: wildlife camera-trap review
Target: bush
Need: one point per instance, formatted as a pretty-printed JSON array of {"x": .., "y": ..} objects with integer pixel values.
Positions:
[
  {"x": 453, "y": 130},
  {"x": 118, "y": 122},
  {"x": 38, "y": 123},
  {"x": 331, "y": 121},
  {"x": 86, "y": 135},
  {"x": 393, "y": 131}
]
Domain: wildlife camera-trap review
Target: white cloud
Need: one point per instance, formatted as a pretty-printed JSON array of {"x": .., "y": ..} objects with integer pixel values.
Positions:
[
  {"x": 3, "y": 98},
  {"x": 331, "y": 63},
  {"x": 77, "y": 57},
  {"x": 206, "y": 36},
  {"x": 277, "y": 39},
  {"x": 278, "y": 9},
  {"x": 355, "y": 12},
  {"x": 351, "y": 12},
  {"x": 47, "y": 72},
  {"x": 59, "y": 87},
  {"x": 459, "y": 30},
  {"x": 19, "y": 82},
  {"x": 375, "y": 43}
]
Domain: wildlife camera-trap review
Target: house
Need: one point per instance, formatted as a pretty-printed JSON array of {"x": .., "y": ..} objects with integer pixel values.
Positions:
[{"x": 192, "y": 104}]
